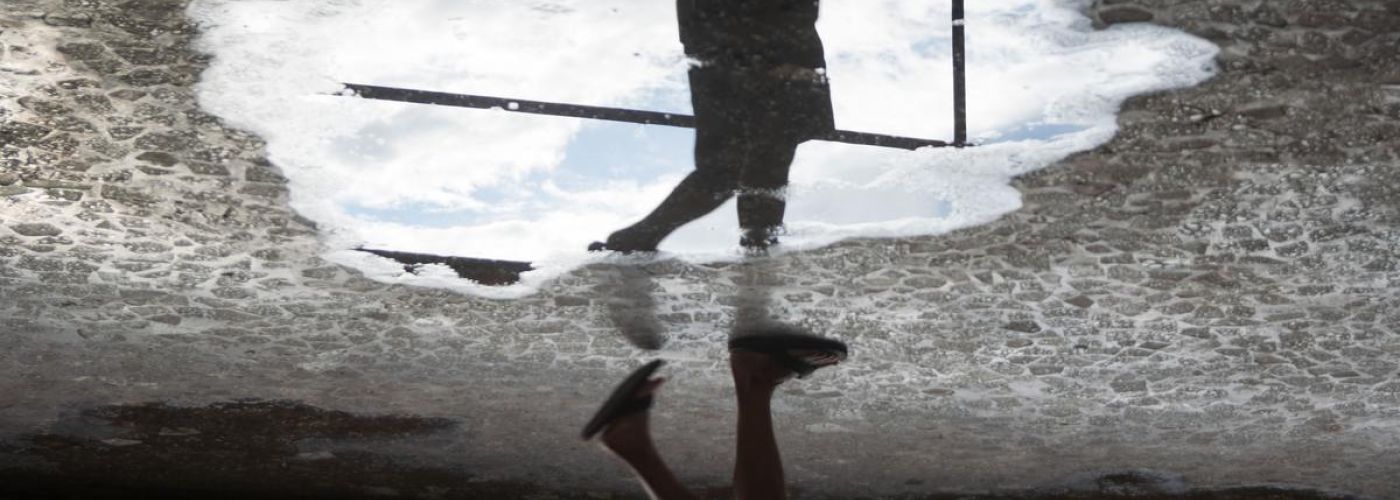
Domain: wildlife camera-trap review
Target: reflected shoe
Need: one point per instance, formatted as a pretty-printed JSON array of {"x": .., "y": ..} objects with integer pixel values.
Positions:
[
  {"x": 599, "y": 246},
  {"x": 757, "y": 241},
  {"x": 618, "y": 242},
  {"x": 758, "y": 251},
  {"x": 783, "y": 342},
  {"x": 623, "y": 401}
]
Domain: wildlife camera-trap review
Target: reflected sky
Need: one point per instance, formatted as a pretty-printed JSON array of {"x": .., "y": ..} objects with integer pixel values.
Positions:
[
  {"x": 601, "y": 152},
  {"x": 1042, "y": 84},
  {"x": 605, "y": 151}
]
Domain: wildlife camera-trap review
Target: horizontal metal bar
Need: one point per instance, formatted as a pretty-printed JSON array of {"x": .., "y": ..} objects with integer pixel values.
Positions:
[
  {"x": 603, "y": 113},
  {"x": 889, "y": 141},
  {"x": 484, "y": 271},
  {"x": 521, "y": 106}
]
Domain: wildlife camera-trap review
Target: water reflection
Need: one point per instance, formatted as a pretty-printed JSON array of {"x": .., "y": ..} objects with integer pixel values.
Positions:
[
  {"x": 759, "y": 89},
  {"x": 627, "y": 293},
  {"x": 763, "y": 354},
  {"x": 602, "y": 153}
]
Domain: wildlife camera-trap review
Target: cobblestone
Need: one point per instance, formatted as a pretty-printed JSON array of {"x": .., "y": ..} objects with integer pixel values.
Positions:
[{"x": 1220, "y": 276}]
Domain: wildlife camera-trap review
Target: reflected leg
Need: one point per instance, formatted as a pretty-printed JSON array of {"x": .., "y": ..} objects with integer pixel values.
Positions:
[
  {"x": 698, "y": 194},
  {"x": 786, "y": 114},
  {"x": 626, "y": 290},
  {"x": 762, "y": 191},
  {"x": 719, "y": 151},
  {"x": 756, "y": 279}
]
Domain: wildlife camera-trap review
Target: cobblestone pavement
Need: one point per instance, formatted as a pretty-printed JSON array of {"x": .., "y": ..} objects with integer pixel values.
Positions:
[{"x": 1211, "y": 297}]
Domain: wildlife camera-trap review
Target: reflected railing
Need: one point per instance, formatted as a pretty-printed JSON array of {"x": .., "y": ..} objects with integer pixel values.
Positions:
[
  {"x": 493, "y": 272},
  {"x": 644, "y": 117}
]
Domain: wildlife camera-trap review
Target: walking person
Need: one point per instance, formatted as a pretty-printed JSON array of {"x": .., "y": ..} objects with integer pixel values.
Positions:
[{"x": 759, "y": 89}]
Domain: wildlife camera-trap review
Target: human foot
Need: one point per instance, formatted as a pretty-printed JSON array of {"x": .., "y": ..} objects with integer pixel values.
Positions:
[
  {"x": 767, "y": 357},
  {"x": 631, "y": 433},
  {"x": 632, "y": 397}
]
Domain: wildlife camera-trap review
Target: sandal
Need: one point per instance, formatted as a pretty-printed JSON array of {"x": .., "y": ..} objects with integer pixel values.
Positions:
[
  {"x": 779, "y": 341},
  {"x": 622, "y": 401}
]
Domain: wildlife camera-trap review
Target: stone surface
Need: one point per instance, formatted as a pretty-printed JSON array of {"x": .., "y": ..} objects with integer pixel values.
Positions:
[
  {"x": 36, "y": 229},
  {"x": 1115, "y": 15},
  {"x": 158, "y": 158},
  {"x": 1217, "y": 281}
]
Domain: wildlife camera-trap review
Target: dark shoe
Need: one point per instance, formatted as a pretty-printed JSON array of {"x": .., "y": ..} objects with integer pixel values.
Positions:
[
  {"x": 780, "y": 340},
  {"x": 621, "y": 242},
  {"x": 599, "y": 246},
  {"x": 623, "y": 401}
]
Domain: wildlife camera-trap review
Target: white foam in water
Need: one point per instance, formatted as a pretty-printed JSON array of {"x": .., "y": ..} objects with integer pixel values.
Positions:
[{"x": 1042, "y": 84}]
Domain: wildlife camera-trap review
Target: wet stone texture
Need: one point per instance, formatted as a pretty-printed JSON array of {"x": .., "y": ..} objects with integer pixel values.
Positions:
[{"x": 1207, "y": 303}]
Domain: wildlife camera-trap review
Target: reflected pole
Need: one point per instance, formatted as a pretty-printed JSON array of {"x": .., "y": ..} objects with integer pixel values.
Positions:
[{"x": 959, "y": 76}]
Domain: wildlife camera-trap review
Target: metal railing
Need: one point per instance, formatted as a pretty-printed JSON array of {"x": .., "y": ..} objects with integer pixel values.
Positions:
[{"x": 680, "y": 120}]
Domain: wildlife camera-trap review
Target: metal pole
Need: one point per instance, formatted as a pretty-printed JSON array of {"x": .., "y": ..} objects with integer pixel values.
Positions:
[
  {"x": 484, "y": 271},
  {"x": 521, "y": 106},
  {"x": 604, "y": 113},
  {"x": 959, "y": 77}
]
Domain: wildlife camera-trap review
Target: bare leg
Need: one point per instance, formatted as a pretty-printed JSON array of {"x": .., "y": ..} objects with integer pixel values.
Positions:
[
  {"x": 630, "y": 439},
  {"x": 758, "y": 468}
]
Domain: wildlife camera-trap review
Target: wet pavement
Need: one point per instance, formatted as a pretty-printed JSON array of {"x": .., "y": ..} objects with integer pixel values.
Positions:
[{"x": 1208, "y": 303}]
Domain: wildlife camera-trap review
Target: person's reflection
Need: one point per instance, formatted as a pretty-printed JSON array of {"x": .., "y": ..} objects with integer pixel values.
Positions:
[
  {"x": 626, "y": 291},
  {"x": 759, "y": 89}
]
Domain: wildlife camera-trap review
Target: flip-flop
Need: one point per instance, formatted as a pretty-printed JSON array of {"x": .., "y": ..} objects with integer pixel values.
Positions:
[
  {"x": 623, "y": 402},
  {"x": 777, "y": 341}
]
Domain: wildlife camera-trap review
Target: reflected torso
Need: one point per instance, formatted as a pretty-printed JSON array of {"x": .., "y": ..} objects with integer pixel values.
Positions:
[
  {"x": 751, "y": 33},
  {"x": 760, "y": 66}
]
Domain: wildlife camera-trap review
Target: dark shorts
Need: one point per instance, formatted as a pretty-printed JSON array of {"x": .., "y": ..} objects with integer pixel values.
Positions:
[
  {"x": 748, "y": 124},
  {"x": 749, "y": 102}
]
